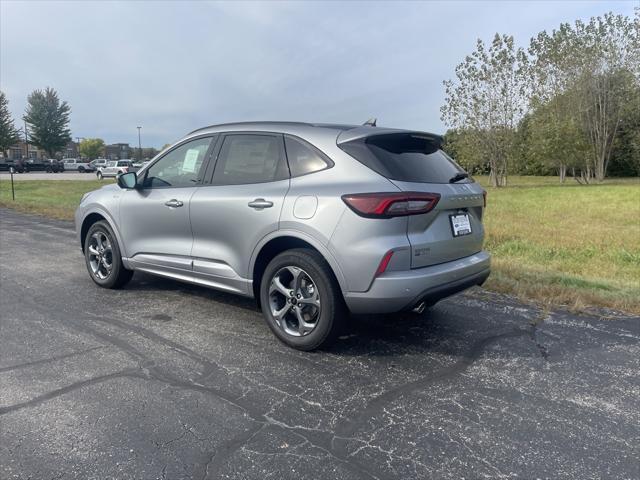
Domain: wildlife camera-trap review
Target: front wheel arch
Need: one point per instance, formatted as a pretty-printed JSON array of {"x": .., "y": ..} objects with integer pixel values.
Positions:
[{"x": 86, "y": 225}]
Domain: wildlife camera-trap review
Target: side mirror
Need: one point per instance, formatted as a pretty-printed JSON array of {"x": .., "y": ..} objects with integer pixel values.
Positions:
[{"x": 128, "y": 180}]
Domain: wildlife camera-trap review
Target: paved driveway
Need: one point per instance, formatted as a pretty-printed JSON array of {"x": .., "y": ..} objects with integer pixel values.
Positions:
[{"x": 165, "y": 380}]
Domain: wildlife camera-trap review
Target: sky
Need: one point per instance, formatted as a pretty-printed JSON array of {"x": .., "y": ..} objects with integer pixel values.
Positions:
[{"x": 174, "y": 66}]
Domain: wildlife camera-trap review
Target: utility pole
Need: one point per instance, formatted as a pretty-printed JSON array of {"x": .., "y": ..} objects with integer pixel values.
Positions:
[
  {"x": 139, "y": 145},
  {"x": 78, "y": 144}
]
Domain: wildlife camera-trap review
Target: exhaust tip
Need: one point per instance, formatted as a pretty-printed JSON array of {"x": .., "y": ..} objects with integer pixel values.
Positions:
[{"x": 419, "y": 308}]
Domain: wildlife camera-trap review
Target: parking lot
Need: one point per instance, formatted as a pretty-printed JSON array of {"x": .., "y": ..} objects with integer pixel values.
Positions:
[{"x": 166, "y": 380}]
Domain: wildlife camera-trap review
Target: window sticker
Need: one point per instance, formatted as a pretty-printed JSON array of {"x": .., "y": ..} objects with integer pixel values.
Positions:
[{"x": 190, "y": 160}]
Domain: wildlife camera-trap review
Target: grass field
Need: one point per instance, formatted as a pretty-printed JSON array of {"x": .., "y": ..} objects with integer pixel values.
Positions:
[
  {"x": 51, "y": 198},
  {"x": 573, "y": 245}
]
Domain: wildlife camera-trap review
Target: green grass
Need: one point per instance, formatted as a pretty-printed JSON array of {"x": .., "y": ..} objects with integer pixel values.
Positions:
[
  {"x": 573, "y": 244},
  {"x": 51, "y": 198}
]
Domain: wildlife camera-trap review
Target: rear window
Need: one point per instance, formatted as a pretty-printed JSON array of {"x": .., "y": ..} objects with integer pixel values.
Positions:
[{"x": 405, "y": 157}]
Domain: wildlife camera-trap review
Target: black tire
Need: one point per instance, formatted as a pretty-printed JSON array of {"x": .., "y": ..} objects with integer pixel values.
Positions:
[
  {"x": 81, "y": 169},
  {"x": 332, "y": 313},
  {"x": 118, "y": 275}
]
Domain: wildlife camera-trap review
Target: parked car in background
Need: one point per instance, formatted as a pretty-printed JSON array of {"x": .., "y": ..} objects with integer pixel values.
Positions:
[
  {"x": 311, "y": 219},
  {"x": 73, "y": 164},
  {"x": 98, "y": 163},
  {"x": 18, "y": 166},
  {"x": 53, "y": 165},
  {"x": 115, "y": 168}
]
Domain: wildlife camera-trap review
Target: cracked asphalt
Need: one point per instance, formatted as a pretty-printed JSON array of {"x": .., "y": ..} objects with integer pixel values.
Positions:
[{"x": 166, "y": 380}]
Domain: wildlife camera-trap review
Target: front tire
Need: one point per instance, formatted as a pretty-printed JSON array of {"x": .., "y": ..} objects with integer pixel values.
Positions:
[
  {"x": 102, "y": 257},
  {"x": 301, "y": 300}
]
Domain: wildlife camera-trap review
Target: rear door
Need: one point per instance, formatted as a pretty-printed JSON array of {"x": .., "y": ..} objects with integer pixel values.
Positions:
[
  {"x": 414, "y": 163},
  {"x": 239, "y": 206}
]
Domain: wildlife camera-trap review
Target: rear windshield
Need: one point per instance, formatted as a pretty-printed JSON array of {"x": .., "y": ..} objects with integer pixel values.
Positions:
[{"x": 405, "y": 157}]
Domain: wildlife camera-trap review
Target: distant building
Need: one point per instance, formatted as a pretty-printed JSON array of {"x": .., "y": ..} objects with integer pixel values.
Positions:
[
  {"x": 19, "y": 151},
  {"x": 70, "y": 151},
  {"x": 118, "y": 151}
]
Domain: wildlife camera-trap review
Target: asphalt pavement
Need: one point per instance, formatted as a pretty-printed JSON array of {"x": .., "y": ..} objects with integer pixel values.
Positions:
[{"x": 163, "y": 380}]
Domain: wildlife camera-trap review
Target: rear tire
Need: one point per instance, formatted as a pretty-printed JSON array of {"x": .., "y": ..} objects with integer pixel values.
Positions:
[
  {"x": 306, "y": 317},
  {"x": 81, "y": 169},
  {"x": 103, "y": 259}
]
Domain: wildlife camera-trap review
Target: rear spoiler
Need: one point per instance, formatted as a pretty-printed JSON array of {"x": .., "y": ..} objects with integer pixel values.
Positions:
[{"x": 360, "y": 133}]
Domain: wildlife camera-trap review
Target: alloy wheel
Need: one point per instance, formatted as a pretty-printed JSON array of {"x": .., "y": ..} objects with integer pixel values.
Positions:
[
  {"x": 294, "y": 301},
  {"x": 100, "y": 255}
]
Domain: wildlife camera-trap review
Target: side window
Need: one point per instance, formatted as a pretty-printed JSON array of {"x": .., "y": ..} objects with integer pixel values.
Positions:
[
  {"x": 250, "y": 159},
  {"x": 303, "y": 158},
  {"x": 180, "y": 167}
]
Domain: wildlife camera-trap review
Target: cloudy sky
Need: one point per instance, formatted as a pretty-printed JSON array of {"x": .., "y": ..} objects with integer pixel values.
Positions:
[{"x": 172, "y": 67}]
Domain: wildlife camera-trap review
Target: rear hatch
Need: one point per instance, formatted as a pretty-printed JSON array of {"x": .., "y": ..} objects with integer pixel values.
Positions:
[{"x": 414, "y": 162}]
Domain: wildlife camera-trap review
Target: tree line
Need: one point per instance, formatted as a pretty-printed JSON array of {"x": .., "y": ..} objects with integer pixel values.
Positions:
[{"x": 569, "y": 104}]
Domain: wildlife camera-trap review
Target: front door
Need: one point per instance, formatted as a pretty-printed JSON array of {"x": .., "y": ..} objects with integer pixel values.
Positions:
[
  {"x": 240, "y": 204},
  {"x": 154, "y": 218}
]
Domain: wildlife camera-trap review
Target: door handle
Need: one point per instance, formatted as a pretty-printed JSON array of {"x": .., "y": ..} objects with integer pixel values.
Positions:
[
  {"x": 173, "y": 203},
  {"x": 260, "y": 203}
]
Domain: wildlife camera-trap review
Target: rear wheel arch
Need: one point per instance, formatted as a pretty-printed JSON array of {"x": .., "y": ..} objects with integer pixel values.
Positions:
[{"x": 272, "y": 247}]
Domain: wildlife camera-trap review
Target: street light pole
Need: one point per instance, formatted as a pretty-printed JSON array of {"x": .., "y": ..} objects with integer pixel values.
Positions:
[
  {"x": 139, "y": 145},
  {"x": 26, "y": 141},
  {"x": 78, "y": 144}
]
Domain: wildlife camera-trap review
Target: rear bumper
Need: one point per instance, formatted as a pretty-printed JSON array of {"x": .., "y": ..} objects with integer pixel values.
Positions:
[{"x": 396, "y": 291}]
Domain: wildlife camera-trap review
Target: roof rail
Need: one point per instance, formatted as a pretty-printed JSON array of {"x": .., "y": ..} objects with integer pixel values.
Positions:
[{"x": 262, "y": 122}]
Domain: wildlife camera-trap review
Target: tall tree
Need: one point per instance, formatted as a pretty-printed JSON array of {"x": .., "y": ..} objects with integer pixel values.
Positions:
[
  {"x": 91, "y": 147},
  {"x": 586, "y": 72},
  {"x": 48, "y": 119},
  {"x": 9, "y": 134},
  {"x": 487, "y": 100}
]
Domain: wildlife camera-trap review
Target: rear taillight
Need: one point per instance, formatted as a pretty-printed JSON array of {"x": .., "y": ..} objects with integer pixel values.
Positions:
[
  {"x": 484, "y": 199},
  {"x": 387, "y": 205}
]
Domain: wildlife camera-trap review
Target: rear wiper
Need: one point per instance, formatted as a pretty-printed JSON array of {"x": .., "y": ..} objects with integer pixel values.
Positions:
[{"x": 458, "y": 176}]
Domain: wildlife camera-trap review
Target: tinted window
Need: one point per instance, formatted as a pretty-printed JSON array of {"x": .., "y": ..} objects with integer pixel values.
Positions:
[
  {"x": 303, "y": 158},
  {"x": 405, "y": 157},
  {"x": 249, "y": 159},
  {"x": 180, "y": 167}
]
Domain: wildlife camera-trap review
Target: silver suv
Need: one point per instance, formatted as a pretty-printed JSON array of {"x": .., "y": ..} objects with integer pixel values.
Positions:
[{"x": 312, "y": 220}]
